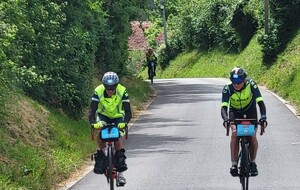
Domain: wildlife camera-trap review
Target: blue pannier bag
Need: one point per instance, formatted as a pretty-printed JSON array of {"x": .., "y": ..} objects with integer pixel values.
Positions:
[
  {"x": 245, "y": 130},
  {"x": 110, "y": 133}
]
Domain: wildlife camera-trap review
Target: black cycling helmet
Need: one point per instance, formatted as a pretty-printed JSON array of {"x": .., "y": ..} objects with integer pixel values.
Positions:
[
  {"x": 238, "y": 75},
  {"x": 110, "y": 80}
]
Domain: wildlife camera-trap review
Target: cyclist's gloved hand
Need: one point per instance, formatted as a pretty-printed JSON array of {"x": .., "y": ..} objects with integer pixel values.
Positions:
[
  {"x": 99, "y": 124},
  {"x": 263, "y": 120},
  {"x": 122, "y": 125},
  {"x": 226, "y": 123}
]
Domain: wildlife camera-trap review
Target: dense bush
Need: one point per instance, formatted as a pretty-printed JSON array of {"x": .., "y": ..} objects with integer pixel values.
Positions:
[
  {"x": 227, "y": 25},
  {"x": 54, "y": 47},
  {"x": 284, "y": 23},
  {"x": 245, "y": 25},
  {"x": 2, "y": 99}
]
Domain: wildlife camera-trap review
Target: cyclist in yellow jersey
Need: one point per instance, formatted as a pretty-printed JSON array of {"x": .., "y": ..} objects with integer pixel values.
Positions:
[
  {"x": 241, "y": 96},
  {"x": 110, "y": 103},
  {"x": 151, "y": 57}
]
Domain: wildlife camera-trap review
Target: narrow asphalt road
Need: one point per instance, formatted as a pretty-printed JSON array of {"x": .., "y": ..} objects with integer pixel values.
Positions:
[{"x": 179, "y": 143}]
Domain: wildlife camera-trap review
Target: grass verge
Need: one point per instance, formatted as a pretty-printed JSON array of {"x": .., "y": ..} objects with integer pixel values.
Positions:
[{"x": 41, "y": 147}]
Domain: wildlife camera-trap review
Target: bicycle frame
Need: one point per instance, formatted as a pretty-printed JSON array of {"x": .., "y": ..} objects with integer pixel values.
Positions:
[
  {"x": 244, "y": 154},
  {"x": 111, "y": 173}
]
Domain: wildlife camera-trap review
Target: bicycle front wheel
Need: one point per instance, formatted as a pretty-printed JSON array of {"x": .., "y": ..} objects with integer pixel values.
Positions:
[
  {"x": 244, "y": 168},
  {"x": 110, "y": 167},
  {"x": 245, "y": 182}
]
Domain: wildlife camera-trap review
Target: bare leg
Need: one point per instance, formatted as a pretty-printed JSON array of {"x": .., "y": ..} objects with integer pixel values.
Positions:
[
  {"x": 234, "y": 145},
  {"x": 118, "y": 144},
  {"x": 253, "y": 147},
  {"x": 101, "y": 144}
]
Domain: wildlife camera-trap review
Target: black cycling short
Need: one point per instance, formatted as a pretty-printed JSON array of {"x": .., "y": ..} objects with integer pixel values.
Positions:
[
  {"x": 250, "y": 113},
  {"x": 109, "y": 120}
]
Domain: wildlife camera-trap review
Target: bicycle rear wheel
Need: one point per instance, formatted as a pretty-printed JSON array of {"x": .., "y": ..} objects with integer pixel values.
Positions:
[{"x": 110, "y": 167}]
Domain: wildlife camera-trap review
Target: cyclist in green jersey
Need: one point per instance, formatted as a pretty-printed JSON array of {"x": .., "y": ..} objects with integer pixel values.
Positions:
[
  {"x": 241, "y": 96},
  {"x": 110, "y": 104},
  {"x": 151, "y": 57}
]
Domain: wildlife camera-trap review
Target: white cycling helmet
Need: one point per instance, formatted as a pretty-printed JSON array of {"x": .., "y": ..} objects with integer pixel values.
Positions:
[{"x": 110, "y": 79}]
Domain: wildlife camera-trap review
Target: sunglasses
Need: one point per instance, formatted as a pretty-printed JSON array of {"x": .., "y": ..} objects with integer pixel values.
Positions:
[
  {"x": 237, "y": 83},
  {"x": 110, "y": 87}
]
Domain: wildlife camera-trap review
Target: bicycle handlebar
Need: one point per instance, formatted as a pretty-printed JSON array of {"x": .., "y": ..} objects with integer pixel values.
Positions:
[
  {"x": 262, "y": 125},
  {"x": 108, "y": 125}
]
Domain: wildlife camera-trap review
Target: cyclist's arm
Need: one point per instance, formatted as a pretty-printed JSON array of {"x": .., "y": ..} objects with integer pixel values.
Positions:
[
  {"x": 128, "y": 113},
  {"x": 93, "y": 108},
  {"x": 224, "y": 112},
  {"x": 262, "y": 108},
  {"x": 126, "y": 107},
  {"x": 147, "y": 58},
  {"x": 258, "y": 98},
  {"x": 225, "y": 102},
  {"x": 92, "y": 111}
]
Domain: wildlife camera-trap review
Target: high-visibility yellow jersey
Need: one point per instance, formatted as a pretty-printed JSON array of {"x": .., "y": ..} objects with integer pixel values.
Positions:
[
  {"x": 242, "y": 99},
  {"x": 111, "y": 107}
]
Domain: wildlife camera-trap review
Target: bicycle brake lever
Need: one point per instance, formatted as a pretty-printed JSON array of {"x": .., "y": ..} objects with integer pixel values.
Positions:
[{"x": 262, "y": 128}]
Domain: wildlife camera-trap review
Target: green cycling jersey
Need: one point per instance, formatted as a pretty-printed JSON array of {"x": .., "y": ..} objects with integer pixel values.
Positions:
[{"x": 242, "y": 99}]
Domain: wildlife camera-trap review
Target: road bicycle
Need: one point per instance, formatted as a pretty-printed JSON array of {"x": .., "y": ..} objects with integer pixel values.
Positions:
[
  {"x": 109, "y": 134},
  {"x": 245, "y": 128},
  {"x": 151, "y": 74}
]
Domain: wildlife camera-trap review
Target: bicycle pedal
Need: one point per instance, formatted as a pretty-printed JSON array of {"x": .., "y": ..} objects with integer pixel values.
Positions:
[{"x": 121, "y": 184}]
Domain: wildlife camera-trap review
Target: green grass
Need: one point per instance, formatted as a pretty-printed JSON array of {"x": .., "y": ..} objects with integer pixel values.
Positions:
[
  {"x": 137, "y": 58},
  {"x": 283, "y": 77},
  {"x": 213, "y": 64},
  {"x": 137, "y": 97},
  {"x": 41, "y": 146}
]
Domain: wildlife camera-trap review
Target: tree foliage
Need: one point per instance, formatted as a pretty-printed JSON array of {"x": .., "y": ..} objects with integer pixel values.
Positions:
[
  {"x": 284, "y": 23},
  {"x": 226, "y": 24},
  {"x": 54, "y": 47},
  {"x": 204, "y": 25}
]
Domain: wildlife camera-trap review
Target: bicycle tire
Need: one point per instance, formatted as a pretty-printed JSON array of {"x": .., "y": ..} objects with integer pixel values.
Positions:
[
  {"x": 152, "y": 74},
  {"x": 244, "y": 166},
  {"x": 110, "y": 167}
]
